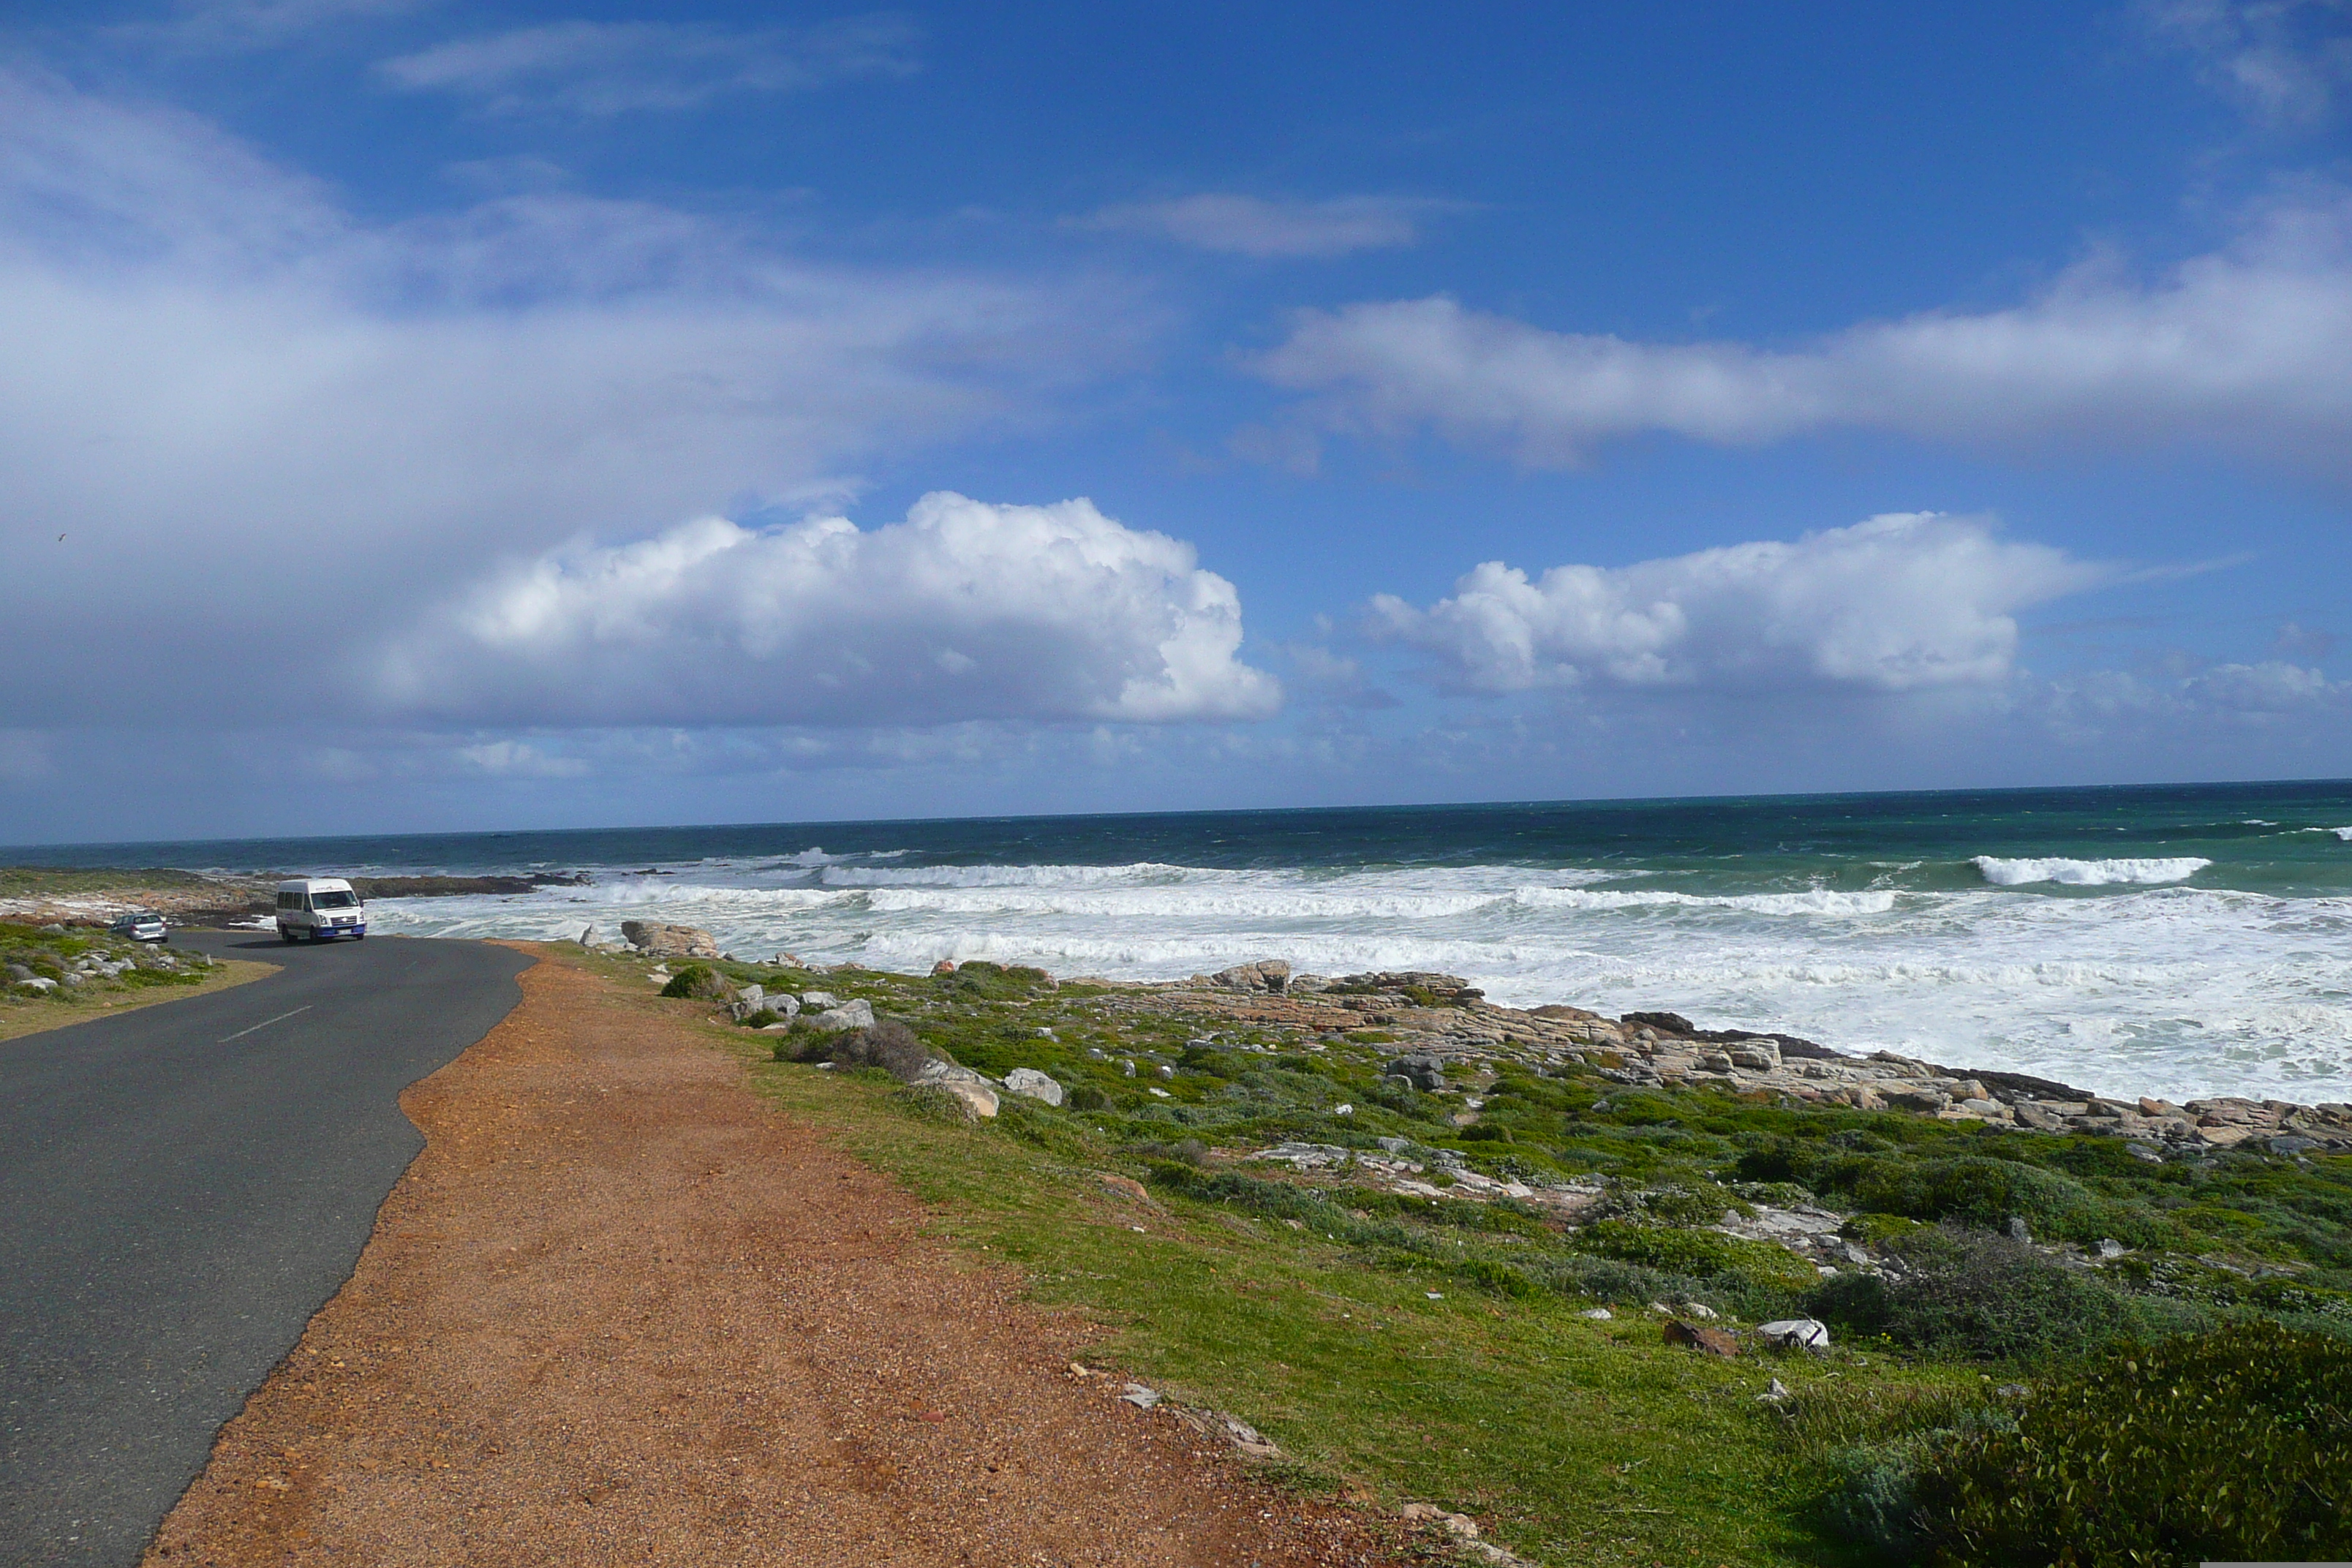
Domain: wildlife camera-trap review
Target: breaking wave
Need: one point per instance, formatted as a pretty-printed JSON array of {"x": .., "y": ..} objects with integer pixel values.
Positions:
[{"x": 2088, "y": 873}]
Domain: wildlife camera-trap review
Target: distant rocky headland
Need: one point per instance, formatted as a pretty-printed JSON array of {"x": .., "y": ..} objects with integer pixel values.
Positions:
[{"x": 45, "y": 895}]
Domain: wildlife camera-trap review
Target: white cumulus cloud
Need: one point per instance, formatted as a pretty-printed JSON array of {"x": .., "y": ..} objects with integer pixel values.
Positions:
[
  {"x": 2248, "y": 350},
  {"x": 612, "y": 68},
  {"x": 1272, "y": 230},
  {"x": 965, "y": 610},
  {"x": 1898, "y": 603}
]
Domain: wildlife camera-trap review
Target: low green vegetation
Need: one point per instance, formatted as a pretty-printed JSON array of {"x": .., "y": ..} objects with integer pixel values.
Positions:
[
  {"x": 53, "y": 975},
  {"x": 2014, "y": 1316},
  {"x": 57, "y": 882}
]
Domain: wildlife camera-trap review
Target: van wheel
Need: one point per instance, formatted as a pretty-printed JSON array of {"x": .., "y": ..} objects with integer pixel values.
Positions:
[{"x": 285, "y": 936}]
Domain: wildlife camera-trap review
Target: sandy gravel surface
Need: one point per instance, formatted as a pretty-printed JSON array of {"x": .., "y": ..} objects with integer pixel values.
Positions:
[{"x": 620, "y": 1311}]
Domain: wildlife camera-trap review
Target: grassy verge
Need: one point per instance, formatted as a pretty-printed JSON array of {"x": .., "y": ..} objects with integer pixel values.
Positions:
[
  {"x": 1376, "y": 1367},
  {"x": 1452, "y": 1289},
  {"x": 91, "y": 974}
]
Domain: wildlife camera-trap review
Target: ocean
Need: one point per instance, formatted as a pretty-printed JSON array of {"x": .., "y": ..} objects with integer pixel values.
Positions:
[{"x": 2176, "y": 940}]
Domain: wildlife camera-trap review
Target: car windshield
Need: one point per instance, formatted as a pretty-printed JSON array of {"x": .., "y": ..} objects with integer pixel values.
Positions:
[{"x": 333, "y": 900}]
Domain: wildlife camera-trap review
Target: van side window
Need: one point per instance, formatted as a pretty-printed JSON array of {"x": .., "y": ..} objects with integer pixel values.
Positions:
[{"x": 285, "y": 899}]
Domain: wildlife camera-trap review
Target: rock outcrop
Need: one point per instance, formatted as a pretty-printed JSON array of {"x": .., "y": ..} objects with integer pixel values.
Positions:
[
  {"x": 1036, "y": 1085},
  {"x": 656, "y": 940}
]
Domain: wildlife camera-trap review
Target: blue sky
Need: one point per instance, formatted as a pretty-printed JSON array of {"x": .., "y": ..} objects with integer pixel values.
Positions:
[{"x": 467, "y": 416}]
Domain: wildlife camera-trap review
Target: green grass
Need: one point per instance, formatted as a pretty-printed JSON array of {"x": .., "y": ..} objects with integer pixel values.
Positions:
[{"x": 1570, "y": 1440}]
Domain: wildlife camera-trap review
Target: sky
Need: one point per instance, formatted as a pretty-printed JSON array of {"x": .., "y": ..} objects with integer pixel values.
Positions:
[{"x": 419, "y": 415}]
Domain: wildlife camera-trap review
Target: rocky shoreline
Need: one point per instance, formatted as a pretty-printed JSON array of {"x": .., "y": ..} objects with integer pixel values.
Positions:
[
  {"x": 1444, "y": 1016},
  {"x": 1444, "y": 1019}
]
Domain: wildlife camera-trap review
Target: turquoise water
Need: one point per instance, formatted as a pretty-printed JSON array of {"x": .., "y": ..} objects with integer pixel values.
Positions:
[{"x": 2170, "y": 940}]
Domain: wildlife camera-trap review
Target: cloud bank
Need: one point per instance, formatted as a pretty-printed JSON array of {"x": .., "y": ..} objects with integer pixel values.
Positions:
[
  {"x": 272, "y": 433},
  {"x": 965, "y": 610},
  {"x": 2247, "y": 349},
  {"x": 1902, "y": 603}
]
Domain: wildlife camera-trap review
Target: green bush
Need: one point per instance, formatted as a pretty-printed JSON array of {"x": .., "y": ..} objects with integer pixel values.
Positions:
[
  {"x": 1702, "y": 1253},
  {"x": 697, "y": 981},
  {"x": 1967, "y": 1293},
  {"x": 1986, "y": 1194},
  {"x": 2228, "y": 1445}
]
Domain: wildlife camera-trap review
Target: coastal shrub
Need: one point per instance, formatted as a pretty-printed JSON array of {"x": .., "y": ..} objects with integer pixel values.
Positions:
[
  {"x": 933, "y": 1103},
  {"x": 979, "y": 980},
  {"x": 762, "y": 1019},
  {"x": 1970, "y": 1294},
  {"x": 698, "y": 981},
  {"x": 2228, "y": 1445},
  {"x": 888, "y": 1045},
  {"x": 1701, "y": 1254},
  {"x": 1621, "y": 1283},
  {"x": 1985, "y": 1193}
]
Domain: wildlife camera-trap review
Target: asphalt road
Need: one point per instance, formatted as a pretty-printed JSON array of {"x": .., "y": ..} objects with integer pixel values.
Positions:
[{"x": 180, "y": 1188}]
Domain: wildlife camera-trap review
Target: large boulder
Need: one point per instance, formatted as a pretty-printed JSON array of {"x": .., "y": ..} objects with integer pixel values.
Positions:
[
  {"x": 1267, "y": 974},
  {"x": 1426, "y": 1073},
  {"x": 1036, "y": 1084},
  {"x": 1795, "y": 1334},
  {"x": 857, "y": 1015},
  {"x": 658, "y": 941},
  {"x": 978, "y": 1096}
]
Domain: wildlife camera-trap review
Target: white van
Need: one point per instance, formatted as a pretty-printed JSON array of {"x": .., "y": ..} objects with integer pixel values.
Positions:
[{"x": 320, "y": 909}]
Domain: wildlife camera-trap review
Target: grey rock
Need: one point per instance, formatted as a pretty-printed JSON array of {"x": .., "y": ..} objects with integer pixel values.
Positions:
[
  {"x": 2017, "y": 1231},
  {"x": 1034, "y": 1084},
  {"x": 1165, "y": 1071},
  {"x": 1795, "y": 1334},
  {"x": 1426, "y": 1073},
  {"x": 820, "y": 1000},
  {"x": 1139, "y": 1396},
  {"x": 857, "y": 1015}
]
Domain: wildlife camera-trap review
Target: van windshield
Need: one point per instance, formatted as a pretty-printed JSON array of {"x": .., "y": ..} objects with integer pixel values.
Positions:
[{"x": 333, "y": 900}]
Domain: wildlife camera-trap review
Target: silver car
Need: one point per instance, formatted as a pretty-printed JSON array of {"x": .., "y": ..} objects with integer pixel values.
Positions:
[{"x": 141, "y": 925}]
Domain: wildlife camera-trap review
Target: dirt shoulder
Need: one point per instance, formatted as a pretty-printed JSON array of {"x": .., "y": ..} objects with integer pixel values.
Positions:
[{"x": 620, "y": 1310}]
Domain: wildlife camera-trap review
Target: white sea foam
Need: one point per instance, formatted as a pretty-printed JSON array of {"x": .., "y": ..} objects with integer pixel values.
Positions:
[
  {"x": 2109, "y": 974},
  {"x": 1813, "y": 901},
  {"x": 2003, "y": 873},
  {"x": 2343, "y": 833}
]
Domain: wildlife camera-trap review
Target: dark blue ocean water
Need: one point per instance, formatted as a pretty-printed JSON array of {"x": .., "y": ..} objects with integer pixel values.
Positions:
[{"x": 2281, "y": 838}]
